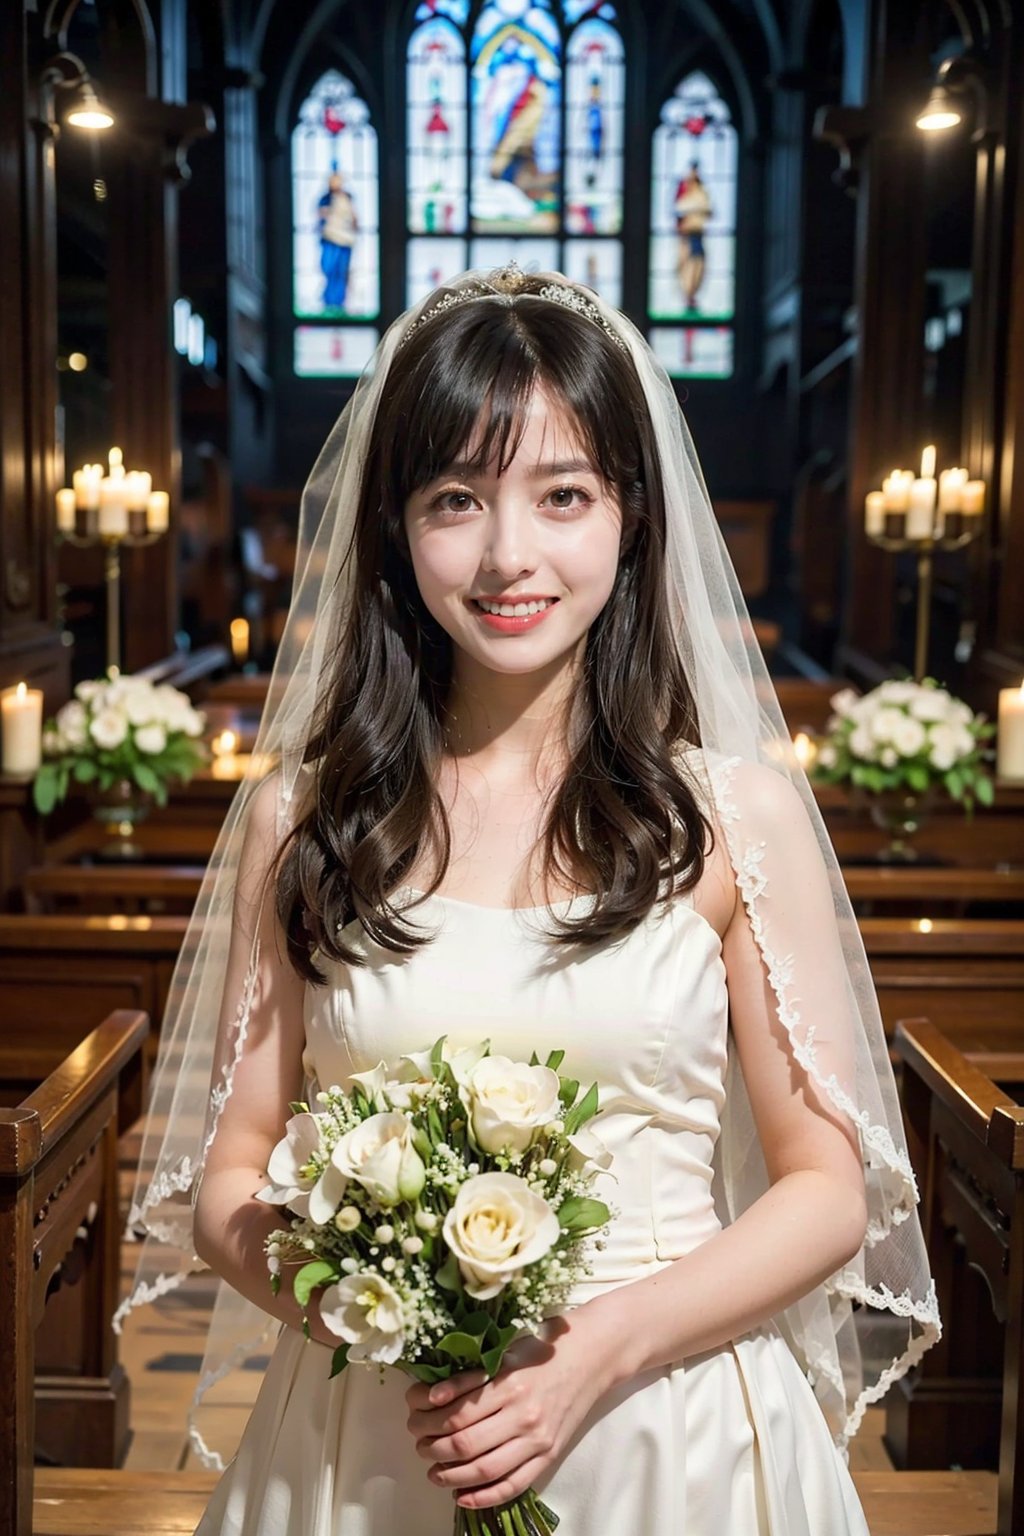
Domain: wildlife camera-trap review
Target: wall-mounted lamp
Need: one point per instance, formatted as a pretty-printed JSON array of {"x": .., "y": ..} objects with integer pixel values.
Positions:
[
  {"x": 957, "y": 79},
  {"x": 67, "y": 72}
]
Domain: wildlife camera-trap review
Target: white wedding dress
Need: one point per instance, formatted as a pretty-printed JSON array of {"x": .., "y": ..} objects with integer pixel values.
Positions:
[{"x": 728, "y": 1443}]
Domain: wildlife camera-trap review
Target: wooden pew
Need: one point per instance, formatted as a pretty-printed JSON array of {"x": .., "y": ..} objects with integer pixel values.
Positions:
[
  {"x": 58, "y": 1181},
  {"x": 59, "y": 974},
  {"x": 966, "y": 975},
  {"x": 923, "y": 891},
  {"x": 965, "y": 1403}
]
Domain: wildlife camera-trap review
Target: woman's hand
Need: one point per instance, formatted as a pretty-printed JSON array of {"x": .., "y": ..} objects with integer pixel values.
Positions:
[{"x": 488, "y": 1441}]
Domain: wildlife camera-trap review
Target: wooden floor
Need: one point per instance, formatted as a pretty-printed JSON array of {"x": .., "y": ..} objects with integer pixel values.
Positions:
[{"x": 162, "y": 1356}]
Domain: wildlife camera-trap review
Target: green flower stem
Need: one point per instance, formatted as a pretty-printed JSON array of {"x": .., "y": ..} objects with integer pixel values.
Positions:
[{"x": 525, "y": 1516}]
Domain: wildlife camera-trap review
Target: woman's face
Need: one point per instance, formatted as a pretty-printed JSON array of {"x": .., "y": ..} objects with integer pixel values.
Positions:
[{"x": 548, "y": 528}]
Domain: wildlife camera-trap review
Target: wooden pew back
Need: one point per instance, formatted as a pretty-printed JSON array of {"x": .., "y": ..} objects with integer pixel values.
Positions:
[
  {"x": 59, "y": 1221},
  {"x": 967, "y": 1142}
]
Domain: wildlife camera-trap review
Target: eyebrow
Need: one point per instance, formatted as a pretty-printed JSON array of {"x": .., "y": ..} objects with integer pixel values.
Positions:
[{"x": 465, "y": 471}]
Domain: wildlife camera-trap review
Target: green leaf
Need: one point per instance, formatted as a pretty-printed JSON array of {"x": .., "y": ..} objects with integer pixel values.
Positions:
[
  {"x": 917, "y": 777},
  {"x": 297, "y": 1107},
  {"x": 434, "y": 1125},
  {"x": 84, "y": 770},
  {"x": 568, "y": 1091},
  {"x": 462, "y": 1347},
  {"x": 448, "y": 1276},
  {"x": 580, "y": 1113},
  {"x": 44, "y": 790},
  {"x": 534, "y": 1059},
  {"x": 429, "y": 1373},
  {"x": 985, "y": 789},
  {"x": 579, "y": 1214},
  {"x": 145, "y": 778},
  {"x": 310, "y": 1276},
  {"x": 437, "y": 1056},
  {"x": 491, "y": 1359},
  {"x": 339, "y": 1360},
  {"x": 554, "y": 1060}
]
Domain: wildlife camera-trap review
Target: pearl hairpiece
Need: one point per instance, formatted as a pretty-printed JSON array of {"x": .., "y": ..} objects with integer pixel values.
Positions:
[{"x": 505, "y": 283}]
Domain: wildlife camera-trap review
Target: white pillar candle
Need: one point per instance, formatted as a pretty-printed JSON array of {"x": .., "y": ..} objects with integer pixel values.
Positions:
[
  {"x": 240, "y": 641},
  {"x": 874, "y": 512},
  {"x": 1010, "y": 735},
  {"x": 921, "y": 511},
  {"x": 972, "y": 498},
  {"x": 951, "y": 483},
  {"x": 158, "y": 507},
  {"x": 113, "y": 521},
  {"x": 896, "y": 491},
  {"x": 66, "y": 503},
  {"x": 928, "y": 463},
  {"x": 86, "y": 482},
  {"x": 22, "y": 713},
  {"x": 115, "y": 459}
]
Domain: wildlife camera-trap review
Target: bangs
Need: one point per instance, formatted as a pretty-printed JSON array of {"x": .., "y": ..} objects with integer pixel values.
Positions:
[{"x": 466, "y": 397}]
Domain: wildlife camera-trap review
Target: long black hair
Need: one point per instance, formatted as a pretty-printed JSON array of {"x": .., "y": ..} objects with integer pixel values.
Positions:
[{"x": 624, "y": 815}]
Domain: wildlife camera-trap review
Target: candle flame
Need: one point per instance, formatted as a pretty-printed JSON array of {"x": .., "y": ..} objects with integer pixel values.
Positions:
[
  {"x": 928, "y": 463},
  {"x": 225, "y": 743},
  {"x": 924, "y": 925}
]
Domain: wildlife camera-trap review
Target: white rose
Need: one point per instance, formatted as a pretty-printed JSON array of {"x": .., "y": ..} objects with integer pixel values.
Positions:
[
  {"x": 193, "y": 722},
  {"x": 380, "y": 1156},
  {"x": 509, "y": 1102},
  {"x": 844, "y": 701},
  {"x": 294, "y": 1178},
  {"x": 827, "y": 756},
  {"x": 88, "y": 689},
  {"x": 53, "y": 743},
  {"x": 150, "y": 738},
  {"x": 862, "y": 744},
  {"x": 946, "y": 747},
  {"x": 886, "y": 723},
  {"x": 959, "y": 713},
  {"x": 497, "y": 1227},
  {"x": 73, "y": 723},
  {"x": 139, "y": 703},
  {"x": 365, "y": 1311},
  {"x": 108, "y": 729},
  {"x": 889, "y": 757},
  {"x": 896, "y": 692},
  {"x": 931, "y": 704},
  {"x": 909, "y": 737}
]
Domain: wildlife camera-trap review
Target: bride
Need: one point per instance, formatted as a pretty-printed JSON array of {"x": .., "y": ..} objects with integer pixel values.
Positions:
[{"x": 518, "y": 693}]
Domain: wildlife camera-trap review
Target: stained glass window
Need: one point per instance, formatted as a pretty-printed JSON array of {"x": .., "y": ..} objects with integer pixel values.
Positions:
[
  {"x": 335, "y": 218},
  {"x": 693, "y": 231},
  {"x": 515, "y": 140}
]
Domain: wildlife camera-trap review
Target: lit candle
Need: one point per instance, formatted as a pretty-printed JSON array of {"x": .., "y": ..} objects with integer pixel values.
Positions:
[
  {"x": 928, "y": 463},
  {"x": 67, "y": 504},
  {"x": 115, "y": 458},
  {"x": 1010, "y": 737},
  {"x": 972, "y": 498},
  {"x": 158, "y": 508},
  {"x": 225, "y": 763},
  {"x": 950, "y": 520},
  {"x": 921, "y": 512},
  {"x": 240, "y": 641},
  {"x": 86, "y": 482},
  {"x": 138, "y": 485},
  {"x": 805, "y": 749},
  {"x": 113, "y": 523},
  {"x": 22, "y": 712},
  {"x": 874, "y": 513},
  {"x": 895, "y": 499}
]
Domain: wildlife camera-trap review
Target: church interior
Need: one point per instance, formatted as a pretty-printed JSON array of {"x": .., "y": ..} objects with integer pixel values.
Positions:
[{"x": 212, "y": 210}]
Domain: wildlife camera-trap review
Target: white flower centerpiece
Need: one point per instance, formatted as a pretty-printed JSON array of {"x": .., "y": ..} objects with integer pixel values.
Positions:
[
  {"x": 441, "y": 1210},
  {"x": 119, "y": 733},
  {"x": 903, "y": 743}
]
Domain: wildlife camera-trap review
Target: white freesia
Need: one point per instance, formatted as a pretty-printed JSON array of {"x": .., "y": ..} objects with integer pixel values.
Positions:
[
  {"x": 295, "y": 1181},
  {"x": 372, "y": 1083},
  {"x": 365, "y": 1311},
  {"x": 380, "y": 1156},
  {"x": 509, "y": 1102},
  {"x": 108, "y": 729},
  {"x": 150, "y": 738},
  {"x": 462, "y": 1059},
  {"x": 589, "y": 1152},
  {"x": 909, "y": 736},
  {"x": 496, "y": 1227}
]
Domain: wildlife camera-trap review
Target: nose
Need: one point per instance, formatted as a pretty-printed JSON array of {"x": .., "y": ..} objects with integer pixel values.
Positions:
[{"x": 510, "y": 550}]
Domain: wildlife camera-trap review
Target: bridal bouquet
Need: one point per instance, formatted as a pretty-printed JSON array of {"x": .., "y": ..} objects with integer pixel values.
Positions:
[{"x": 441, "y": 1212}]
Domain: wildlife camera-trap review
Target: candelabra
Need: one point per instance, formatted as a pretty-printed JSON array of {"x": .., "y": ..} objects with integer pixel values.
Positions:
[
  {"x": 918, "y": 514},
  {"x": 118, "y": 511}
]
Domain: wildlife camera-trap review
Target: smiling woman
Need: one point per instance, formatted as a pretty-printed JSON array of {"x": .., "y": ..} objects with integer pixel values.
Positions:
[{"x": 516, "y": 442}]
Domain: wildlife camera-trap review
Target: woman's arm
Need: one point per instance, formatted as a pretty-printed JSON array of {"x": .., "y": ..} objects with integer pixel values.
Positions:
[
  {"x": 497, "y": 1438},
  {"x": 230, "y": 1225}
]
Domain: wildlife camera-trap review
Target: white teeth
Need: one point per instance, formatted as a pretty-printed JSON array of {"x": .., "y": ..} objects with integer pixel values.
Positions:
[{"x": 514, "y": 610}]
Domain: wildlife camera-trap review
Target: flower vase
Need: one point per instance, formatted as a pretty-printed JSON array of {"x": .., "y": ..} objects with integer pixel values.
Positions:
[
  {"x": 119, "y": 810},
  {"x": 900, "y": 813}
]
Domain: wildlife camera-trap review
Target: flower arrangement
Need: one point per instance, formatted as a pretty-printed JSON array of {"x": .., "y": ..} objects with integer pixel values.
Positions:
[
  {"x": 441, "y": 1212},
  {"x": 118, "y": 729},
  {"x": 907, "y": 736}
]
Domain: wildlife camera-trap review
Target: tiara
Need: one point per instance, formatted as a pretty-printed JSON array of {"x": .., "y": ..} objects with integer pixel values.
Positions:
[{"x": 506, "y": 282}]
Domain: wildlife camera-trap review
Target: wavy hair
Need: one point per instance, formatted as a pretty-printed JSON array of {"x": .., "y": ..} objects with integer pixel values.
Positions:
[{"x": 624, "y": 815}]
